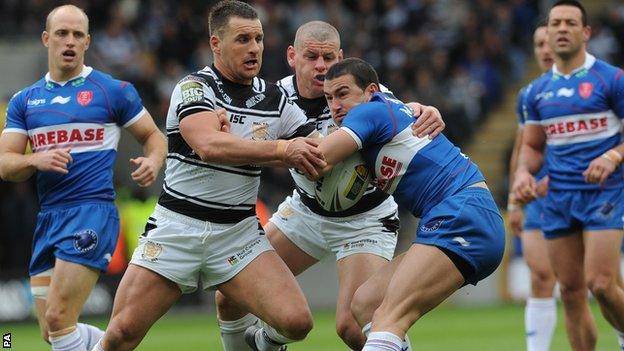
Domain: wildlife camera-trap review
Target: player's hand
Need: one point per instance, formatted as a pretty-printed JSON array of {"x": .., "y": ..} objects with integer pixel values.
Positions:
[
  {"x": 599, "y": 170},
  {"x": 515, "y": 217},
  {"x": 303, "y": 154},
  {"x": 147, "y": 170},
  {"x": 223, "y": 120},
  {"x": 428, "y": 120},
  {"x": 542, "y": 186},
  {"x": 52, "y": 161},
  {"x": 524, "y": 187}
]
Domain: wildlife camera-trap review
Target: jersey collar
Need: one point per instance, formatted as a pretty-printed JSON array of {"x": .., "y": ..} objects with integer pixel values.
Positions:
[
  {"x": 86, "y": 70},
  {"x": 589, "y": 62}
]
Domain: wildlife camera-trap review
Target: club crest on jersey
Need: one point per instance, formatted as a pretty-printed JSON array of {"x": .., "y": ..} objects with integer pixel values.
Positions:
[
  {"x": 586, "y": 89},
  {"x": 260, "y": 131},
  {"x": 85, "y": 240},
  {"x": 84, "y": 97},
  {"x": 151, "y": 251}
]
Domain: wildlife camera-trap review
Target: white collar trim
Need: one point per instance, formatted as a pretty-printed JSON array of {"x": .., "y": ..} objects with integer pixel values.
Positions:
[{"x": 86, "y": 70}]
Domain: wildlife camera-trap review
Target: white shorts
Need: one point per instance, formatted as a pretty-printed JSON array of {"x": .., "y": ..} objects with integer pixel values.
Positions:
[
  {"x": 185, "y": 250},
  {"x": 373, "y": 232}
]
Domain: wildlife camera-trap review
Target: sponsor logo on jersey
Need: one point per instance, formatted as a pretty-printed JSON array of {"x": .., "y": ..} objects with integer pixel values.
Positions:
[
  {"x": 431, "y": 226},
  {"x": 78, "y": 82},
  {"x": 388, "y": 170},
  {"x": 546, "y": 95},
  {"x": 192, "y": 92},
  {"x": 108, "y": 257},
  {"x": 35, "y": 102},
  {"x": 586, "y": 89},
  {"x": 85, "y": 240},
  {"x": 61, "y": 136},
  {"x": 232, "y": 260},
  {"x": 151, "y": 251},
  {"x": 260, "y": 131},
  {"x": 252, "y": 101},
  {"x": 461, "y": 241},
  {"x": 606, "y": 210},
  {"x": 84, "y": 97},
  {"x": 285, "y": 211},
  {"x": 246, "y": 251},
  {"x": 360, "y": 244},
  {"x": 581, "y": 126},
  {"x": 565, "y": 92},
  {"x": 60, "y": 100}
]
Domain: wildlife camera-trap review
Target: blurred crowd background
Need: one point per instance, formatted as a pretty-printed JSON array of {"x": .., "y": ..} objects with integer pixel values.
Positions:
[{"x": 461, "y": 56}]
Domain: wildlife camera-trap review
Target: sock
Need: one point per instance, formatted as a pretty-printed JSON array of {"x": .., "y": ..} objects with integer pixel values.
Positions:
[
  {"x": 407, "y": 345},
  {"x": 98, "y": 346},
  {"x": 268, "y": 339},
  {"x": 233, "y": 333},
  {"x": 620, "y": 337},
  {"x": 383, "y": 341},
  {"x": 68, "y": 342},
  {"x": 540, "y": 318},
  {"x": 89, "y": 334}
]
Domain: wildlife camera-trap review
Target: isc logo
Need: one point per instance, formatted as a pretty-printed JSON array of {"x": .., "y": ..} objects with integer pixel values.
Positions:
[{"x": 240, "y": 119}]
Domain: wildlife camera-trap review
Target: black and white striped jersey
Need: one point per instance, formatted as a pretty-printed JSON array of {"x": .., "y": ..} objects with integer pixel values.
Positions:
[
  {"x": 215, "y": 192},
  {"x": 317, "y": 112}
]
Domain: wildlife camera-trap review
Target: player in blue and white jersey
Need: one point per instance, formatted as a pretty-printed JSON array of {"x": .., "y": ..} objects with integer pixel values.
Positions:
[
  {"x": 540, "y": 313},
  {"x": 461, "y": 238},
  {"x": 361, "y": 238},
  {"x": 72, "y": 119},
  {"x": 576, "y": 111}
]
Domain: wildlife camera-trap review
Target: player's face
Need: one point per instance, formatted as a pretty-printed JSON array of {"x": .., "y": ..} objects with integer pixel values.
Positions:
[
  {"x": 311, "y": 60},
  {"x": 343, "y": 94},
  {"x": 541, "y": 49},
  {"x": 238, "y": 54},
  {"x": 67, "y": 40},
  {"x": 566, "y": 34}
]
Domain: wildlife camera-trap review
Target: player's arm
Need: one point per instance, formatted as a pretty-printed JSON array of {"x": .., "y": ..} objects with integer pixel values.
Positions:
[
  {"x": 16, "y": 166},
  {"x": 530, "y": 160},
  {"x": 154, "y": 144},
  {"x": 202, "y": 131},
  {"x": 336, "y": 147},
  {"x": 602, "y": 166}
]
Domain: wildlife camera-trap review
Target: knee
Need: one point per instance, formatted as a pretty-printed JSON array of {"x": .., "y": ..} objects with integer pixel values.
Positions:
[
  {"x": 542, "y": 283},
  {"x": 572, "y": 293},
  {"x": 296, "y": 326},
  {"x": 349, "y": 331},
  {"x": 120, "y": 332},
  {"x": 600, "y": 285},
  {"x": 226, "y": 308},
  {"x": 56, "y": 319}
]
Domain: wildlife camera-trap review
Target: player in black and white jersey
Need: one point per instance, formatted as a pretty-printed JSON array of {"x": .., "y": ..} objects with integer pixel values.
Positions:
[
  {"x": 204, "y": 227},
  {"x": 363, "y": 237}
]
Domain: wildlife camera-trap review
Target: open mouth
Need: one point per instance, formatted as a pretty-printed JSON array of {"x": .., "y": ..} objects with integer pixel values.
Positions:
[
  {"x": 251, "y": 63},
  {"x": 68, "y": 54},
  {"x": 320, "y": 77}
]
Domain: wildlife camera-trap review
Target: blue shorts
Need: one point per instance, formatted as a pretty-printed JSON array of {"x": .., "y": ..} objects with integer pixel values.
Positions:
[
  {"x": 534, "y": 215},
  {"x": 84, "y": 233},
  {"x": 470, "y": 227},
  {"x": 568, "y": 211}
]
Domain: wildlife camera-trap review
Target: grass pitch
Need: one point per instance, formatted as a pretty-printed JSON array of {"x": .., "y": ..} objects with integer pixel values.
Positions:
[{"x": 448, "y": 328}]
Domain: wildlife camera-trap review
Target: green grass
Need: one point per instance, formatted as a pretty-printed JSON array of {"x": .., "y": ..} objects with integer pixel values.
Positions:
[{"x": 448, "y": 328}]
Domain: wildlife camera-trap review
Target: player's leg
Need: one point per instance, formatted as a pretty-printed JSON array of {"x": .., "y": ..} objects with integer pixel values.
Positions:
[
  {"x": 425, "y": 277},
  {"x": 233, "y": 319},
  {"x": 142, "y": 297},
  {"x": 602, "y": 257},
  {"x": 566, "y": 257},
  {"x": 353, "y": 271},
  {"x": 70, "y": 286},
  {"x": 266, "y": 288},
  {"x": 540, "y": 316}
]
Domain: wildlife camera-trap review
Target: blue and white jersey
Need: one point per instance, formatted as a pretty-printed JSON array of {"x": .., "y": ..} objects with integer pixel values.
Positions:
[
  {"x": 581, "y": 114},
  {"x": 84, "y": 114},
  {"x": 520, "y": 105},
  {"x": 419, "y": 172}
]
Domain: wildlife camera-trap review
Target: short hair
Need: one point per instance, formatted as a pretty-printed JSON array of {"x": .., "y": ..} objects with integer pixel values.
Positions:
[
  {"x": 316, "y": 30},
  {"x": 221, "y": 13},
  {"x": 542, "y": 22},
  {"x": 56, "y": 9},
  {"x": 363, "y": 73},
  {"x": 573, "y": 3}
]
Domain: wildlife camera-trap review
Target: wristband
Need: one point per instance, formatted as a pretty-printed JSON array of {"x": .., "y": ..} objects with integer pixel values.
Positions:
[
  {"x": 280, "y": 150},
  {"x": 513, "y": 207},
  {"x": 613, "y": 156}
]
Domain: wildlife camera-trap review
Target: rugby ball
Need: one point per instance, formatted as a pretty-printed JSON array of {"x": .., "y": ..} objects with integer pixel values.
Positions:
[{"x": 343, "y": 186}]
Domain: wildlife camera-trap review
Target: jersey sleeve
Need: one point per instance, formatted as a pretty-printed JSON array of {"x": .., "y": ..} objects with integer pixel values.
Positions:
[
  {"x": 529, "y": 110},
  {"x": 366, "y": 123},
  {"x": 618, "y": 94},
  {"x": 192, "y": 95},
  {"x": 292, "y": 119},
  {"x": 15, "y": 121},
  {"x": 127, "y": 104},
  {"x": 520, "y": 106}
]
